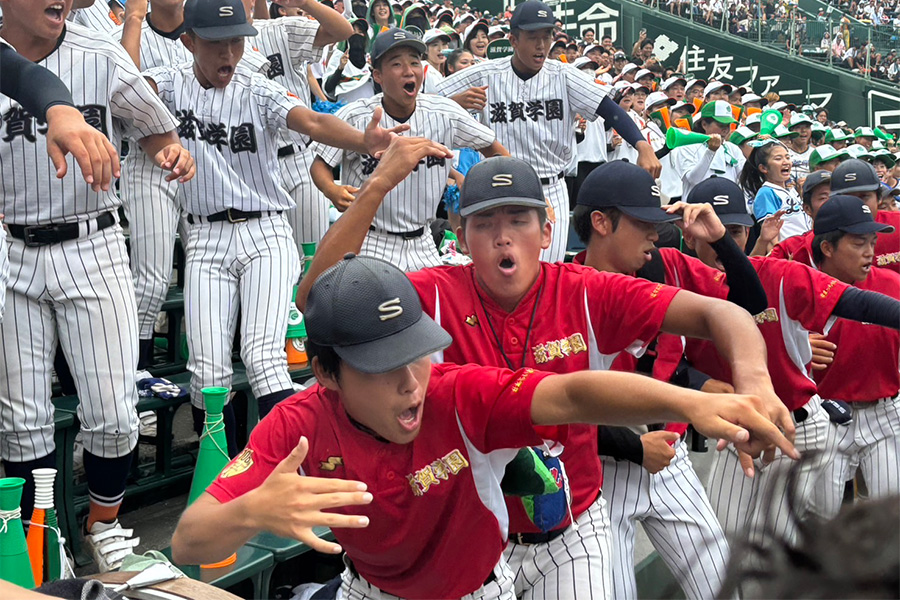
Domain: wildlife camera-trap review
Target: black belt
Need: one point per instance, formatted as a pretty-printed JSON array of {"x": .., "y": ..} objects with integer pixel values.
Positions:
[
  {"x": 44, "y": 235},
  {"x": 287, "y": 151},
  {"x": 536, "y": 538},
  {"x": 553, "y": 179},
  {"x": 232, "y": 215},
  {"x": 490, "y": 578},
  {"x": 406, "y": 235}
]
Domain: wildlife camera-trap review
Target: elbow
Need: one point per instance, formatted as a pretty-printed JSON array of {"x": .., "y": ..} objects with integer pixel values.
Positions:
[{"x": 334, "y": 34}]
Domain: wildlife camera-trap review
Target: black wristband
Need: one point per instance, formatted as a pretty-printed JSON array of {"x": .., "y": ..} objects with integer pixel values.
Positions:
[
  {"x": 868, "y": 307},
  {"x": 745, "y": 289},
  {"x": 33, "y": 86}
]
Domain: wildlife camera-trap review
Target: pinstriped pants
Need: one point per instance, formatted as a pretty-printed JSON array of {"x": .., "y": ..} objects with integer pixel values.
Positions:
[
  {"x": 309, "y": 219},
  {"x": 574, "y": 566},
  {"x": 871, "y": 443},
  {"x": 152, "y": 210},
  {"x": 558, "y": 195},
  {"x": 354, "y": 587},
  {"x": 252, "y": 265},
  {"x": 80, "y": 294},
  {"x": 4, "y": 269},
  {"x": 678, "y": 519},
  {"x": 407, "y": 255}
]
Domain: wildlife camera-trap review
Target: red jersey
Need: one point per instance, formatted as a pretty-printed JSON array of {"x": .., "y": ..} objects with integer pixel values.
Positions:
[
  {"x": 801, "y": 300},
  {"x": 582, "y": 319},
  {"x": 887, "y": 247},
  {"x": 437, "y": 524},
  {"x": 864, "y": 348}
]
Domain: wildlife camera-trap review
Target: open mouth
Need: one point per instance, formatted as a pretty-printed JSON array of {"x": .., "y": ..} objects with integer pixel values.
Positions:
[
  {"x": 411, "y": 418},
  {"x": 409, "y": 87},
  {"x": 507, "y": 265},
  {"x": 225, "y": 71},
  {"x": 55, "y": 12}
]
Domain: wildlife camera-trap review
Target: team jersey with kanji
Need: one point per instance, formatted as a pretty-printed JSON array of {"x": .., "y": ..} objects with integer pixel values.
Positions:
[
  {"x": 579, "y": 318},
  {"x": 437, "y": 524},
  {"x": 864, "y": 347},
  {"x": 887, "y": 247},
  {"x": 801, "y": 301},
  {"x": 112, "y": 96},
  {"x": 414, "y": 200},
  {"x": 532, "y": 117},
  {"x": 232, "y": 134}
]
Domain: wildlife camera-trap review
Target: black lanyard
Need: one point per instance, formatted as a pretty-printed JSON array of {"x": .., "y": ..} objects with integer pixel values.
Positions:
[{"x": 509, "y": 363}]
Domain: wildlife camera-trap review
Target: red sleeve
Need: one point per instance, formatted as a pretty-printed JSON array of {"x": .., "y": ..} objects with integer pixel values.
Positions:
[
  {"x": 691, "y": 274},
  {"x": 270, "y": 442},
  {"x": 779, "y": 251},
  {"x": 424, "y": 282},
  {"x": 809, "y": 295},
  {"x": 494, "y": 407},
  {"x": 625, "y": 310}
]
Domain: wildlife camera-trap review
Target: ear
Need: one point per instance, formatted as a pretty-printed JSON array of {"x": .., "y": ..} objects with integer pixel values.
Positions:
[
  {"x": 188, "y": 42},
  {"x": 461, "y": 236},
  {"x": 601, "y": 224},
  {"x": 764, "y": 169},
  {"x": 326, "y": 380},
  {"x": 807, "y": 209},
  {"x": 376, "y": 76},
  {"x": 546, "y": 235},
  {"x": 827, "y": 249}
]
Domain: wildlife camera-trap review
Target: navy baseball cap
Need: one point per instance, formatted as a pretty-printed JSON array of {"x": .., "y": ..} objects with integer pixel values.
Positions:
[
  {"x": 215, "y": 20},
  {"x": 500, "y": 181},
  {"x": 393, "y": 38},
  {"x": 847, "y": 214},
  {"x": 369, "y": 312},
  {"x": 532, "y": 15},
  {"x": 854, "y": 175},
  {"x": 813, "y": 180},
  {"x": 727, "y": 200},
  {"x": 627, "y": 187}
]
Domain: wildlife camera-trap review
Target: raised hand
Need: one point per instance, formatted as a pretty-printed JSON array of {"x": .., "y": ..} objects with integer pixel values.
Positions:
[
  {"x": 376, "y": 138},
  {"x": 700, "y": 220}
]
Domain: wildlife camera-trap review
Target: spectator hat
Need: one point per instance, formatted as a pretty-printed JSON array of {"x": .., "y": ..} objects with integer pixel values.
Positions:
[
  {"x": 672, "y": 81},
  {"x": 750, "y": 97},
  {"x": 800, "y": 118},
  {"x": 741, "y": 135},
  {"x": 824, "y": 153},
  {"x": 715, "y": 86},
  {"x": 659, "y": 98},
  {"x": 720, "y": 110}
]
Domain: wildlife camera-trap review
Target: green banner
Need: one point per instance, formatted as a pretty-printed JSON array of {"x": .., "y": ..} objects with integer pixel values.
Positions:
[{"x": 499, "y": 49}]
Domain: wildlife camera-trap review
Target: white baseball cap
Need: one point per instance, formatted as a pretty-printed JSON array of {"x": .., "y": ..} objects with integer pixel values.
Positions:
[
  {"x": 715, "y": 86},
  {"x": 751, "y": 97},
  {"x": 583, "y": 61},
  {"x": 434, "y": 34},
  {"x": 781, "y": 105},
  {"x": 659, "y": 98},
  {"x": 692, "y": 82},
  {"x": 643, "y": 73},
  {"x": 495, "y": 29},
  {"x": 753, "y": 119},
  {"x": 798, "y": 118},
  {"x": 672, "y": 81},
  {"x": 637, "y": 86},
  {"x": 629, "y": 68},
  {"x": 591, "y": 48}
]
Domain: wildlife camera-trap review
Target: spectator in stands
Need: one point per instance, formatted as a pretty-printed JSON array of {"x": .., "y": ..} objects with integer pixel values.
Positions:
[
  {"x": 587, "y": 35},
  {"x": 822, "y": 116},
  {"x": 643, "y": 48},
  {"x": 694, "y": 89},
  {"x": 458, "y": 60}
]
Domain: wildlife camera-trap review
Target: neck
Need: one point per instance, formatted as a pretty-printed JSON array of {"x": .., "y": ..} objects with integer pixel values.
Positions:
[
  {"x": 507, "y": 302},
  {"x": 167, "y": 18},
  {"x": 799, "y": 145},
  {"x": 32, "y": 48},
  {"x": 203, "y": 81},
  {"x": 398, "y": 110},
  {"x": 827, "y": 268},
  {"x": 598, "y": 259},
  {"x": 521, "y": 69}
]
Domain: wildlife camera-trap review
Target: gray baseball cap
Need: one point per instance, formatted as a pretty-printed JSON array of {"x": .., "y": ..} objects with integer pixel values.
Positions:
[
  {"x": 369, "y": 312},
  {"x": 500, "y": 181},
  {"x": 217, "y": 19},
  {"x": 854, "y": 175},
  {"x": 392, "y": 38}
]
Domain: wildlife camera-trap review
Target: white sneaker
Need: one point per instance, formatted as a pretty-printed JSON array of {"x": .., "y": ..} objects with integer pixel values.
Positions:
[{"x": 110, "y": 544}]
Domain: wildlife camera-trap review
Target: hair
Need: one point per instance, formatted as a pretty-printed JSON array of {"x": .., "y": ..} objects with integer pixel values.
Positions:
[
  {"x": 832, "y": 237},
  {"x": 605, "y": 37},
  {"x": 582, "y": 222},
  {"x": 854, "y": 555},
  {"x": 329, "y": 360},
  {"x": 453, "y": 60},
  {"x": 645, "y": 42},
  {"x": 376, "y": 63},
  {"x": 541, "y": 213},
  {"x": 274, "y": 10},
  {"x": 586, "y": 29},
  {"x": 751, "y": 179}
]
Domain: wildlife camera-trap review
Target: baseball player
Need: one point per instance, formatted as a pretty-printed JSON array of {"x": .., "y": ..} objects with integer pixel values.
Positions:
[
  {"x": 800, "y": 300},
  {"x": 69, "y": 268},
  {"x": 856, "y": 178},
  {"x": 400, "y": 233},
  {"x": 648, "y": 476},
  {"x": 93, "y": 14},
  {"x": 531, "y": 103},
  {"x": 240, "y": 250},
  {"x": 439, "y": 453},
  {"x": 845, "y": 235},
  {"x": 501, "y": 312}
]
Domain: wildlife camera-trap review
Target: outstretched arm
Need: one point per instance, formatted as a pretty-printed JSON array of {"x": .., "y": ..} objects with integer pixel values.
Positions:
[{"x": 333, "y": 131}]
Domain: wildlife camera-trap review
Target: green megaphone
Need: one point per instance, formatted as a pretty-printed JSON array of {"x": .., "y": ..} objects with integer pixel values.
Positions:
[
  {"x": 675, "y": 138},
  {"x": 881, "y": 134},
  {"x": 213, "y": 454},
  {"x": 769, "y": 121}
]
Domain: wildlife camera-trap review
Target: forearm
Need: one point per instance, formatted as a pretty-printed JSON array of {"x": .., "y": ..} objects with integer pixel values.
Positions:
[
  {"x": 31, "y": 85},
  {"x": 200, "y": 538},
  {"x": 614, "y": 116},
  {"x": 868, "y": 307},
  {"x": 131, "y": 39},
  {"x": 737, "y": 339},
  {"x": 314, "y": 86},
  {"x": 495, "y": 149},
  {"x": 327, "y": 129},
  {"x": 610, "y": 398},
  {"x": 333, "y": 80},
  {"x": 322, "y": 176},
  {"x": 152, "y": 144},
  {"x": 260, "y": 10},
  {"x": 694, "y": 175},
  {"x": 345, "y": 235},
  {"x": 744, "y": 286},
  {"x": 333, "y": 27},
  {"x": 620, "y": 443}
]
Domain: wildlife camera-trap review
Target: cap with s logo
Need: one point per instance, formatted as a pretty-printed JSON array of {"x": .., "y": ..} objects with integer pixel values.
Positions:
[
  {"x": 500, "y": 181},
  {"x": 727, "y": 200},
  {"x": 532, "y": 15},
  {"x": 369, "y": 312},
  {"x": 627, "y": 187},
  {"x": 854, "y": 175},
  {"x": 393, "y": 38},
  {"x": 847, "y": 214},
  {"x": 217, "y": 19}
]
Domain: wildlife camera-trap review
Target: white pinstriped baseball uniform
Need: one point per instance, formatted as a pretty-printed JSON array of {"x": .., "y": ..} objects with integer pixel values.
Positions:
[
  {"x": 96, "y": 17},
  {"x": 533, "y": 119},
  {"x": 412, "y": 204},
  {"x": 287, "y": 43},
  {"x": 232, "y": 133},
  {"x": 79, "y": 291}
]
